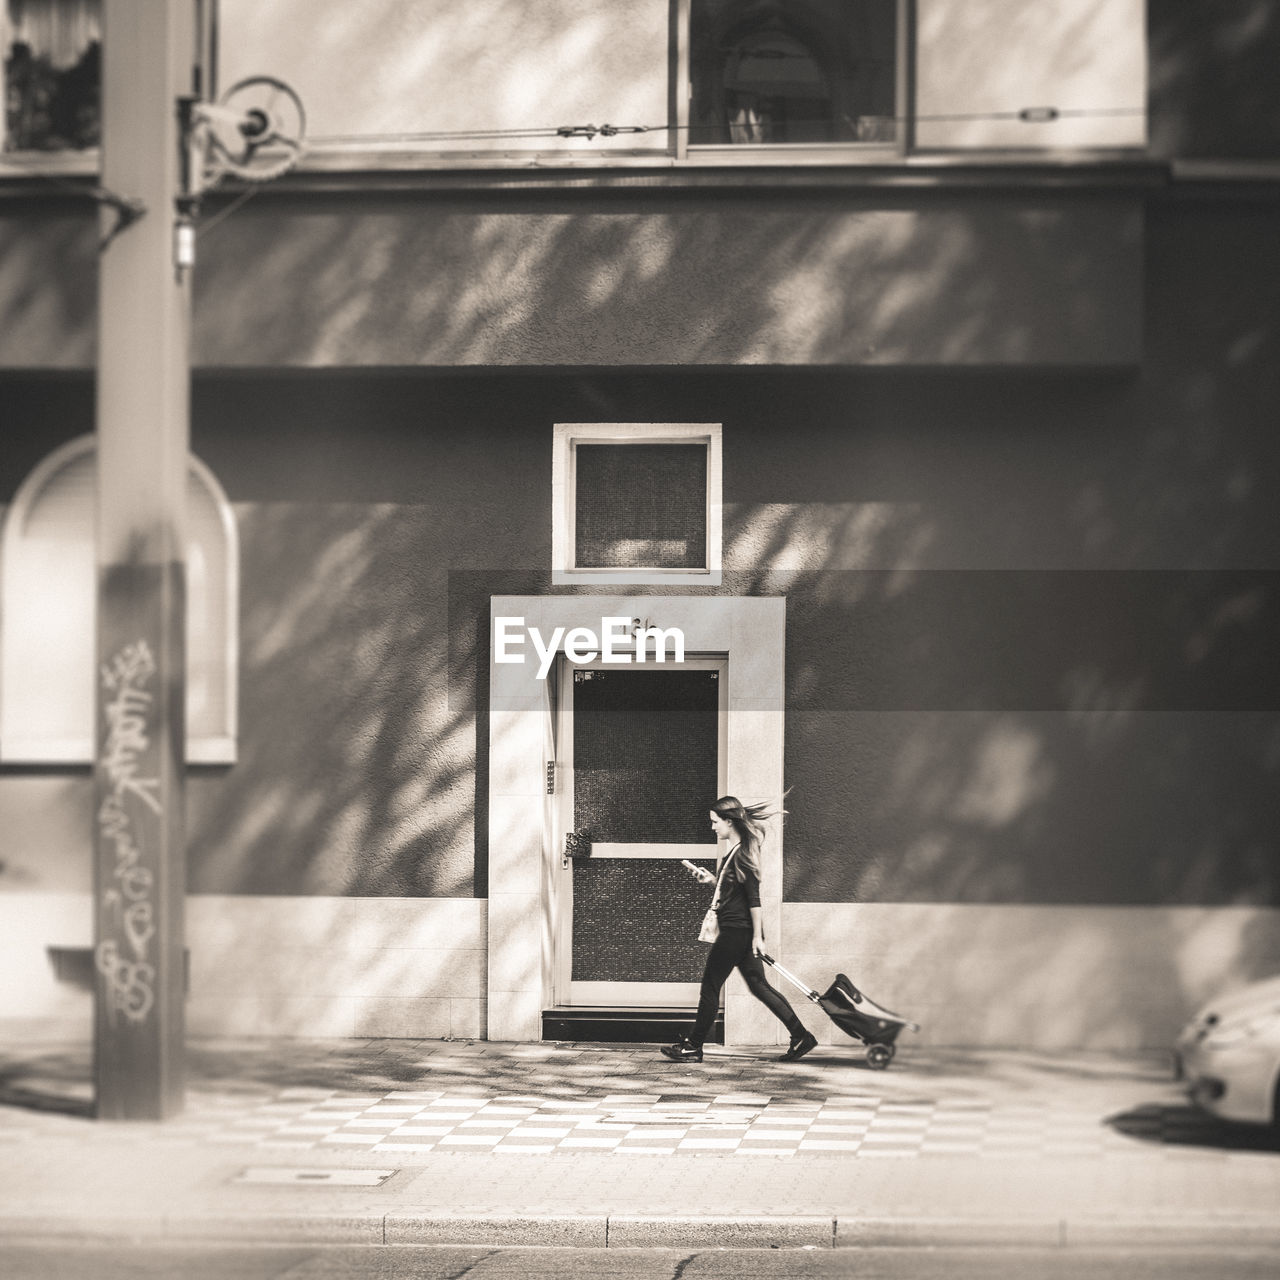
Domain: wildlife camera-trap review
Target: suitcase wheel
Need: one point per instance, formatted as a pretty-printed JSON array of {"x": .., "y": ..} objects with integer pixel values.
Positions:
[{"x": 879, "y": 1056}]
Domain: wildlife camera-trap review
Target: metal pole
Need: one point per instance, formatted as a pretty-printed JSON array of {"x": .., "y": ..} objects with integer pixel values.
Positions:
[{"x": 143, "y": 403}]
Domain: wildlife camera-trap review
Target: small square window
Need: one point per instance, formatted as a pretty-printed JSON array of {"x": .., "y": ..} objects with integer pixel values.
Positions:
[
  {"x": 636, "y": 503},
  {"x": 640, "y": 505}
]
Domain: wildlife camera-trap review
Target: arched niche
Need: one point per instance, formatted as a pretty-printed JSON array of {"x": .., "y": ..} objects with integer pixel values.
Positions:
[{"x": 48, "y": 602}]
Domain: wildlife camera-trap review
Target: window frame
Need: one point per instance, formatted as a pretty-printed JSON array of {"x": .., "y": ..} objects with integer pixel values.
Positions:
[{"x": 566, "y": 437}]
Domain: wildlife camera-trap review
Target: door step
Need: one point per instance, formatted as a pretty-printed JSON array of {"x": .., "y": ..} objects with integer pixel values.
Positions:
[{"x": 623, "y": 1026}]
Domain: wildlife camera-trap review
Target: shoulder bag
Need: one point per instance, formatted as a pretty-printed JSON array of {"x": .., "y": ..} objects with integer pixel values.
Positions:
[{"x": 710, "y": 930}]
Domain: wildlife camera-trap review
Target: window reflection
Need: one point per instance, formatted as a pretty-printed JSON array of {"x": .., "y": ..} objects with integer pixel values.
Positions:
[
  {"x": 793, "y": 71},
  {"x": 52, "y": 75}
]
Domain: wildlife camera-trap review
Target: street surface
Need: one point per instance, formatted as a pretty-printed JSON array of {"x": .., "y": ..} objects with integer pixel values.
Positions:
[
  {"x": 316, "y": 1146},
  {"x": 45, "y": 1261}
]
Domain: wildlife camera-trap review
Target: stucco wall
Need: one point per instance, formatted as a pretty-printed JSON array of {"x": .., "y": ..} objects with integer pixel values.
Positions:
[
  {"x": 638, "y": 278},
  {"x": 277, "y": 965},
  {"x": 1031, "y": 616},
  {"x": 1213, "y": 89},
  {"x": 1107, "y": 978},
  {"x": 1030, "y": 623}
]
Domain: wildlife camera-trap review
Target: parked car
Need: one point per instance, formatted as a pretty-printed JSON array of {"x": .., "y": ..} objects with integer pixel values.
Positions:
[{"x": 1229, "y": 1054}]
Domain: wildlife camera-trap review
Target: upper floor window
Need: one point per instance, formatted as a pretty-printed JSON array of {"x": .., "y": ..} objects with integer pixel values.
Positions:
[
  {"x": 52, "y": 74},
  {"x": 788, "y": 72},
  {"x": 577, "y": 82}
]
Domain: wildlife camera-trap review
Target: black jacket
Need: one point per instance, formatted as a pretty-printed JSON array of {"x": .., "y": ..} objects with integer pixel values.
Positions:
[{"x": 737, "y": 897}]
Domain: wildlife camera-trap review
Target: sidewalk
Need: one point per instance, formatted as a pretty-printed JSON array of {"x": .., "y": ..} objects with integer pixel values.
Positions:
[{"x": 402, "y": 1141}]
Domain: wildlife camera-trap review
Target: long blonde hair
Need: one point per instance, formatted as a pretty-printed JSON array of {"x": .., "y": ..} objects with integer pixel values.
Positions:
[{"x": 747, "y": 821}]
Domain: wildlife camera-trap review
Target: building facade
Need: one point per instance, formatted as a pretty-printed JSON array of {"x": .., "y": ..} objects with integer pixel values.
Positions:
[{"x": 915, "y": 362}]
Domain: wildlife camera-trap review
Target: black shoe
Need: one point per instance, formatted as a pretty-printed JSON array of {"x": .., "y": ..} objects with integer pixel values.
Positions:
[
  {"x": 800, "y": 1045},
  {"x": 682, "y": 1051}
]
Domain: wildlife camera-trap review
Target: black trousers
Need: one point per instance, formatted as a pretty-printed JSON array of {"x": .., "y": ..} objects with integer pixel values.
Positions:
[{"x": 730, "y": 951}]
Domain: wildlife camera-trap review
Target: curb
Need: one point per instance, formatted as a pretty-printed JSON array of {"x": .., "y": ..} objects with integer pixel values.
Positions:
[
  {"x": 584, "y": 1230},
  {"x": 953, "y": 1233},
  {"x": 639, "y": 1231},
  {"x": 1151, "y": 1231},
  {"x": 727, "y": 1231},
  {"x": 1209, "y": 1231}
]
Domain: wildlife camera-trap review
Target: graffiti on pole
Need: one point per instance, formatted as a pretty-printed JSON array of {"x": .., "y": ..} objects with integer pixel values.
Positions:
[{"x": 131, "y": 806}]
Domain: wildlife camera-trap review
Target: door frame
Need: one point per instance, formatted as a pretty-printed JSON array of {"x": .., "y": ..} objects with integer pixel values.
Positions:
[
  {"x": 751, "y": 633},
  {"x": 560, "y": 876}
]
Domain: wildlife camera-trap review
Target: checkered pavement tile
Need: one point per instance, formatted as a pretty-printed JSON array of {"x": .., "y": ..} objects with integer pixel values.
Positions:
[
  {"x": 563, "y": 1101},
  {"x": 653, "y": 1123}
]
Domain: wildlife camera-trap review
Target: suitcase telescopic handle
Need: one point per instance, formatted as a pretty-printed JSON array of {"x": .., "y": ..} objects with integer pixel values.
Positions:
[{"x": 810, "y": 994}]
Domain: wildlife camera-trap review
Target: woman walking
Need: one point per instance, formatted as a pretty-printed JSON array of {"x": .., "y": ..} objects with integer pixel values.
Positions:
[{"x": 740, "y": 940}]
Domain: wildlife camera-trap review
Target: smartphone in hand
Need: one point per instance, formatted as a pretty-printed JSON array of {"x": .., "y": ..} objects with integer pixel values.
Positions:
[{"x": 700, "y": 872}]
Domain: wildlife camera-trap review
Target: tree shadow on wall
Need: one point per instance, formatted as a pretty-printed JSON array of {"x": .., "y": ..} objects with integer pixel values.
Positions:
[
  {"x": 1213, "y": 83},
  {"x": 1030, "y": 737},
  {"x": 354, "y": 775},
  {"x": 631, "y": 278},
  {"x": 1032, "y": 711}
]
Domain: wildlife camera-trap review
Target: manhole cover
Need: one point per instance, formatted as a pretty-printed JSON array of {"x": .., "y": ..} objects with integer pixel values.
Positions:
[{"x": 281, "y": 1176}]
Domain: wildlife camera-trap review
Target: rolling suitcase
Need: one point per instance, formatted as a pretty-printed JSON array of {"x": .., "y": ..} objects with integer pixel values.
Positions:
[{"x": 856, "y": 1014}]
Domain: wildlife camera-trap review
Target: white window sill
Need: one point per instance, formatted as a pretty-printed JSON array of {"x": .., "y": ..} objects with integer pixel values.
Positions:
[
  {"x": 635, "y": 578},
  {"x": 79, "y": 751}
]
